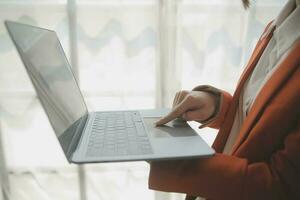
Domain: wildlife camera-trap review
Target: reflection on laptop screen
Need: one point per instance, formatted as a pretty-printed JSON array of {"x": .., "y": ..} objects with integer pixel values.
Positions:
[{"x": 52, "y": 77}]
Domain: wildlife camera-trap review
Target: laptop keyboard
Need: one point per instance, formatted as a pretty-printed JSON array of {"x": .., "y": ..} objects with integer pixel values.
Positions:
[{"x": 117, "y": 134}]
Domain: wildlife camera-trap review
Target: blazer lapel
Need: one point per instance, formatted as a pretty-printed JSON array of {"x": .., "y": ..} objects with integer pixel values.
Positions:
[
  {"x": 284, "y": 71},
  {"x": 222, "y": 136}
]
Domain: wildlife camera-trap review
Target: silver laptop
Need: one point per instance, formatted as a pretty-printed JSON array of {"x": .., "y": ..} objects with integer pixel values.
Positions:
[{"x": 107, "y": 136}]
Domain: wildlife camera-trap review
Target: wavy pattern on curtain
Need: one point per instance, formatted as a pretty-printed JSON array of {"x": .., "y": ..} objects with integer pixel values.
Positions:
[{"x": 113, "y": 28}]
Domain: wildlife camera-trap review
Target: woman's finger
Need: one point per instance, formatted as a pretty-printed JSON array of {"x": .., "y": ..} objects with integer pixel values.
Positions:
[
  {"x": 195, "y": 115},
  {"x": 177, "y": 111},
  {"x": 181, "y": 95}
]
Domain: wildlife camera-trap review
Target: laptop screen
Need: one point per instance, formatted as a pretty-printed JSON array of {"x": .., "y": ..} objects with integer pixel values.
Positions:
[{"x": 51, "y": 75}]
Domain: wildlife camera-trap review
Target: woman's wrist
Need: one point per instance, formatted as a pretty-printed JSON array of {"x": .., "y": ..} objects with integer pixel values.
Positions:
[{"x": 214, "y": 96}]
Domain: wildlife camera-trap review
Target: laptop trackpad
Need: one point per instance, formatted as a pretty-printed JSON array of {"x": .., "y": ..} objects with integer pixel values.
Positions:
[{"x": 170, "y": 129}]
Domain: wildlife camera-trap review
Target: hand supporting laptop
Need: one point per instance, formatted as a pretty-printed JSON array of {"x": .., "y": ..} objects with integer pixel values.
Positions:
[{"x": 191, "y": 106}]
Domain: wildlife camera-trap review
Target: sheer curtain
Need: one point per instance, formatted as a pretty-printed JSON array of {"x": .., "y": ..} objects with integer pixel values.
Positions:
[{"x": 126, "y": 54}]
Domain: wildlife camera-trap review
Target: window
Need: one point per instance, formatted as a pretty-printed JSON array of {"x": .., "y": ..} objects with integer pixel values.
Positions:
[{"x": 127, "y": 54}]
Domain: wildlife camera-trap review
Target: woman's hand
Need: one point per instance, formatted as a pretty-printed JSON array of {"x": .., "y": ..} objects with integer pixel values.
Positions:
[{"x": 191, "y": 106}]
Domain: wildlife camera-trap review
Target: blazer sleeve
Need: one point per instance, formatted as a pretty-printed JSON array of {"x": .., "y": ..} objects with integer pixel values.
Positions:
[
  {"x": 223, "y": 100},
  {"x": 229, "y": 177}
]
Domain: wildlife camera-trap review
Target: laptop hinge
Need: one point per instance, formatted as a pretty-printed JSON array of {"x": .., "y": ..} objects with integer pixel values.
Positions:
[{"x": 76, "y": 137}]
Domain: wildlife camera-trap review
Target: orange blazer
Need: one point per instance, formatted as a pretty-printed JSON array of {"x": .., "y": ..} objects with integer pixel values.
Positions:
[{"x": 265, "y": 163}]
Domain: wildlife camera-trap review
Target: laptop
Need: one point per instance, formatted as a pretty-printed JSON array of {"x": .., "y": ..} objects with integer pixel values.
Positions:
[{"x": 102, "y": 136}]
